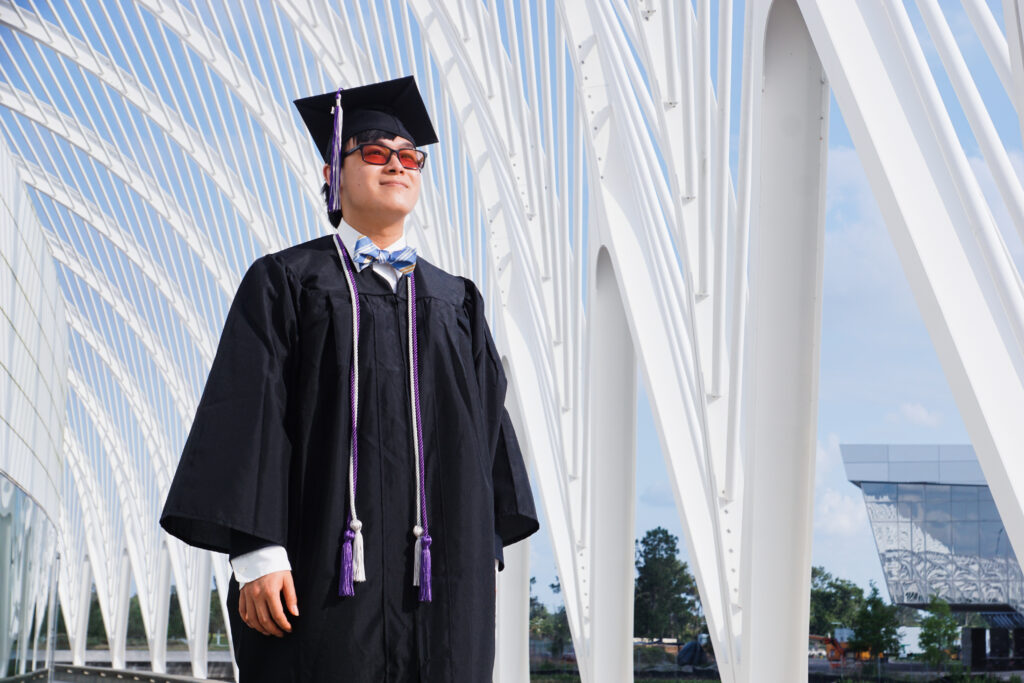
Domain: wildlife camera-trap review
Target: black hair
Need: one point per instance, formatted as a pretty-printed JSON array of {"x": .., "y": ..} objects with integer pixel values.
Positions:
[{"x": 359, "y": 138}]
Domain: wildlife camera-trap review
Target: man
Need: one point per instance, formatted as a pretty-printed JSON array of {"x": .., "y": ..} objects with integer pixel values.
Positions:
[{"x": 351, "y": 450}]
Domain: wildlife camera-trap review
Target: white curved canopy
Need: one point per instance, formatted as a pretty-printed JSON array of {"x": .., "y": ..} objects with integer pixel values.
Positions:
[{"x": 584, "y": 181}]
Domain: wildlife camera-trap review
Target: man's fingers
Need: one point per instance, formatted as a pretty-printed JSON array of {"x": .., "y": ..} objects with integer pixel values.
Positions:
[
  {"x": 247, "y": 611},
  {"x": 260, "y": 603},
  {"x": 277, "y": 613},
  {"x": 289, "y": 595},
  {"x": 250, "y": 618},
  {"x": 267, "y": 626}
]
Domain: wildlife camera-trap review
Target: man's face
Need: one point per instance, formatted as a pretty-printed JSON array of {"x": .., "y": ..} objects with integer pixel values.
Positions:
[{"x": 378, "y": 194}]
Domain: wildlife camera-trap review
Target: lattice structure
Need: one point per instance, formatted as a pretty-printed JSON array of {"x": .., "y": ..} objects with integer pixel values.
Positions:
[{"x": 583, "y": 180}]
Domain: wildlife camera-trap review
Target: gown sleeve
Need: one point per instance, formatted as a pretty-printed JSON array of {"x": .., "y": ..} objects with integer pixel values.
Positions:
[
  {"x": 230, "y": 490},
  {"x": 515, "y": 516}
]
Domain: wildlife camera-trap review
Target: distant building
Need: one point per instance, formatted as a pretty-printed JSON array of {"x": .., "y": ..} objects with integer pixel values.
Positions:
[
  {"x": 910, "y": 641},
  {"x": 937, "y": 529}
]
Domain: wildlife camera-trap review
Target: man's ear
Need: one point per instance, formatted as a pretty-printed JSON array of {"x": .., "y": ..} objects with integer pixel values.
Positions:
[{"x": 327, "y": 175}]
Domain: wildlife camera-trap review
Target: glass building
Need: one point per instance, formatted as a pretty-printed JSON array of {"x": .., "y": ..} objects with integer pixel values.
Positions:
[
  {"x": 937, "y": 528},
  {"x": 33, "y": 372}
]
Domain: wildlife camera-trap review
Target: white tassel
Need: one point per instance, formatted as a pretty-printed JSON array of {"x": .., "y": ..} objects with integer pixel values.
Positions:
[
  {"x": 417, "y": 554},
  {"x": 358, "y": 566}
]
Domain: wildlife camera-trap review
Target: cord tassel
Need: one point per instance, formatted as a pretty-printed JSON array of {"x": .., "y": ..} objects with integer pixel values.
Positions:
[
  {"x": 333, "y": 195},
  {"x": 358, "y": 563},
  {"x": 416, "y": 561},
  {"x": 346, "y": 587},
  {"x": 424, "y": 574},
  {"x": 353, "y": 564}
]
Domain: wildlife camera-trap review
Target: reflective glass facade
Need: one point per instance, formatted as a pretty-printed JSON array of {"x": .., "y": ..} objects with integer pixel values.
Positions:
[
  {"x": 936, "y": 526},
  {"x": 28, "y": 550},
  {"x": 943, "y": 539}
]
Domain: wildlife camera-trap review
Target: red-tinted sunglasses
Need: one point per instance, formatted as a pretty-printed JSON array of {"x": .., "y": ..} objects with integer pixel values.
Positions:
[{"x": 379, "y": 155}]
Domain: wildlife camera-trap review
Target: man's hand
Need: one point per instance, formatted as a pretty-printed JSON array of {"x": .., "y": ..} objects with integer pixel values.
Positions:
[{"x": 260, "y": 603}]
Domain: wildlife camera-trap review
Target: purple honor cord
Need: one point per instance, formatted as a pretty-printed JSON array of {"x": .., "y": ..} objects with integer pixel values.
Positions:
[
  {"x": 347, "y": 586},
  {"x": 424, "y": 578},
  {"x": 351, "y": 549}
]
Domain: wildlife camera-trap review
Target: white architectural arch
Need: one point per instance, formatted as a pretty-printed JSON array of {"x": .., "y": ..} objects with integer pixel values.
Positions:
[{"x": 584, "y": 182}]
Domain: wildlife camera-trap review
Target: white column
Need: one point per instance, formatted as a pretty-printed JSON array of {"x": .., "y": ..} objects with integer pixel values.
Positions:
[
  {"x": 157, "y": 631},
  {"x": 199, "y": 623},
  {"x": 787, "y": 238},
  {"x": 512, "y": 652},
  {"x": 77, "y": 632},
  {"x": 611, "y": 474},
  {"x": 117, "y": 624}
]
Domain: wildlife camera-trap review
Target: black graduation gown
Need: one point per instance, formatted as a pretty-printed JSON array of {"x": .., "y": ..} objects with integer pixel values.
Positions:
[{"x": 266, "y": 461}]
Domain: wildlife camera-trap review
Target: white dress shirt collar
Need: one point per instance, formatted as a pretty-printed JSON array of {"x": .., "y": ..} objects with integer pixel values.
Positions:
[{"x": 349, "y": 237}]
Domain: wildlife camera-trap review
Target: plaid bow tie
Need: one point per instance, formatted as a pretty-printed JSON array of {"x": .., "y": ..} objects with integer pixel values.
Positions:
[{"x": 366, "y": 252}]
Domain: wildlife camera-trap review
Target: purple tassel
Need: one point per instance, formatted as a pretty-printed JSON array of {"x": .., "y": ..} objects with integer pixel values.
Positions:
[
  {"x": 425, "y": 595},
  {"x": 332, "y": 193},
  {"x": 347, "y": 587}
]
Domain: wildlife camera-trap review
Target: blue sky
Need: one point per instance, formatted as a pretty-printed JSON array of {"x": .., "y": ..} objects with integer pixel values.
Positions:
[{"x": 880, "y": 379}]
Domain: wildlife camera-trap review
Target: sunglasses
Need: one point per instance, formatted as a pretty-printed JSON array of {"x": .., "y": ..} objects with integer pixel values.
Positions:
[{"x": 379, "y": 155}]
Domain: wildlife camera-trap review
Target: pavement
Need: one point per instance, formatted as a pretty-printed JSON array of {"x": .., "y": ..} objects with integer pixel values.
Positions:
[
  {"x": 905, "y": 669},
  {"x": 102, "y": 657}
]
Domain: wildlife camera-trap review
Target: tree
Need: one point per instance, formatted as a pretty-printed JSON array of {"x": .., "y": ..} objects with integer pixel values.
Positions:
[
  {"x": 555, "y": 625},
  {"x": 939, "y": 632},
  {"x": 875, "y": 626},
  {"x": 539, "y": 615},
  {"x": 216, "y": 614},
  {"x": 833, "y": 601},
  {"x": 560, "y": 634},
  {"x": 136, "y": 625},
  {"x": 175, "y": 620},
  {"x": 95, "y": 631},
  {"x": 665, "y": 598}
]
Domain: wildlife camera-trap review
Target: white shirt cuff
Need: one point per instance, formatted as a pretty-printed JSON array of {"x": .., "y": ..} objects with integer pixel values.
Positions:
[
  {"x": 273, "y": 558},
  {"x": 251, "y": 566}
]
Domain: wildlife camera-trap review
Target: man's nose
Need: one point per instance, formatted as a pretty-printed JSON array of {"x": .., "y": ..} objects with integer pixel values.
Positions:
[{"x": 394, "y": 164}]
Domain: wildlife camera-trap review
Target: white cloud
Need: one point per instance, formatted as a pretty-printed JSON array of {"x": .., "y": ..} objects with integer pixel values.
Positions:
[
  {"x": 838, "y": 506},
  {"x": 839, "y": 514},
  {"x": 658, "y": 494},
  {"x": 827, "y": 460},
  {"x": 916, "y": 414},
  {"x": 843, "y": 543}
]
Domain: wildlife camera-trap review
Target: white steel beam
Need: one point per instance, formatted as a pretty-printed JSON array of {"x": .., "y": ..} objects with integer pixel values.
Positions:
[
  {"x": 55, "y": 188},
  {"x": 100, "y": 543},
  {"x": 123, "y": 167},
  {"x": 621, "y": 221},
  {"x": 941, "y": 228}
]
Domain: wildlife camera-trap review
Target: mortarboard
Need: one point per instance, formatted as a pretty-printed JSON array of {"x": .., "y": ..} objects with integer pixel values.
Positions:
[{"x": 393, "y": 106}]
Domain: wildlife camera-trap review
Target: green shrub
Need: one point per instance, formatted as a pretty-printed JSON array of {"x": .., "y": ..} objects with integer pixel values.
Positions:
[{"x": 650, "y": 655}]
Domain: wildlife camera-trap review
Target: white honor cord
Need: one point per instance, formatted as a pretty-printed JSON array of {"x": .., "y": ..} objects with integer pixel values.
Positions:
[
  {"x": 413, "y": 390},
  {"x": 358, "y": 569}
]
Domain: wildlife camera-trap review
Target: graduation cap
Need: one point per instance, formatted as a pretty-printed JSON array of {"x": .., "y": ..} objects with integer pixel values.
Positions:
[{"x": 392, "y": 106}]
